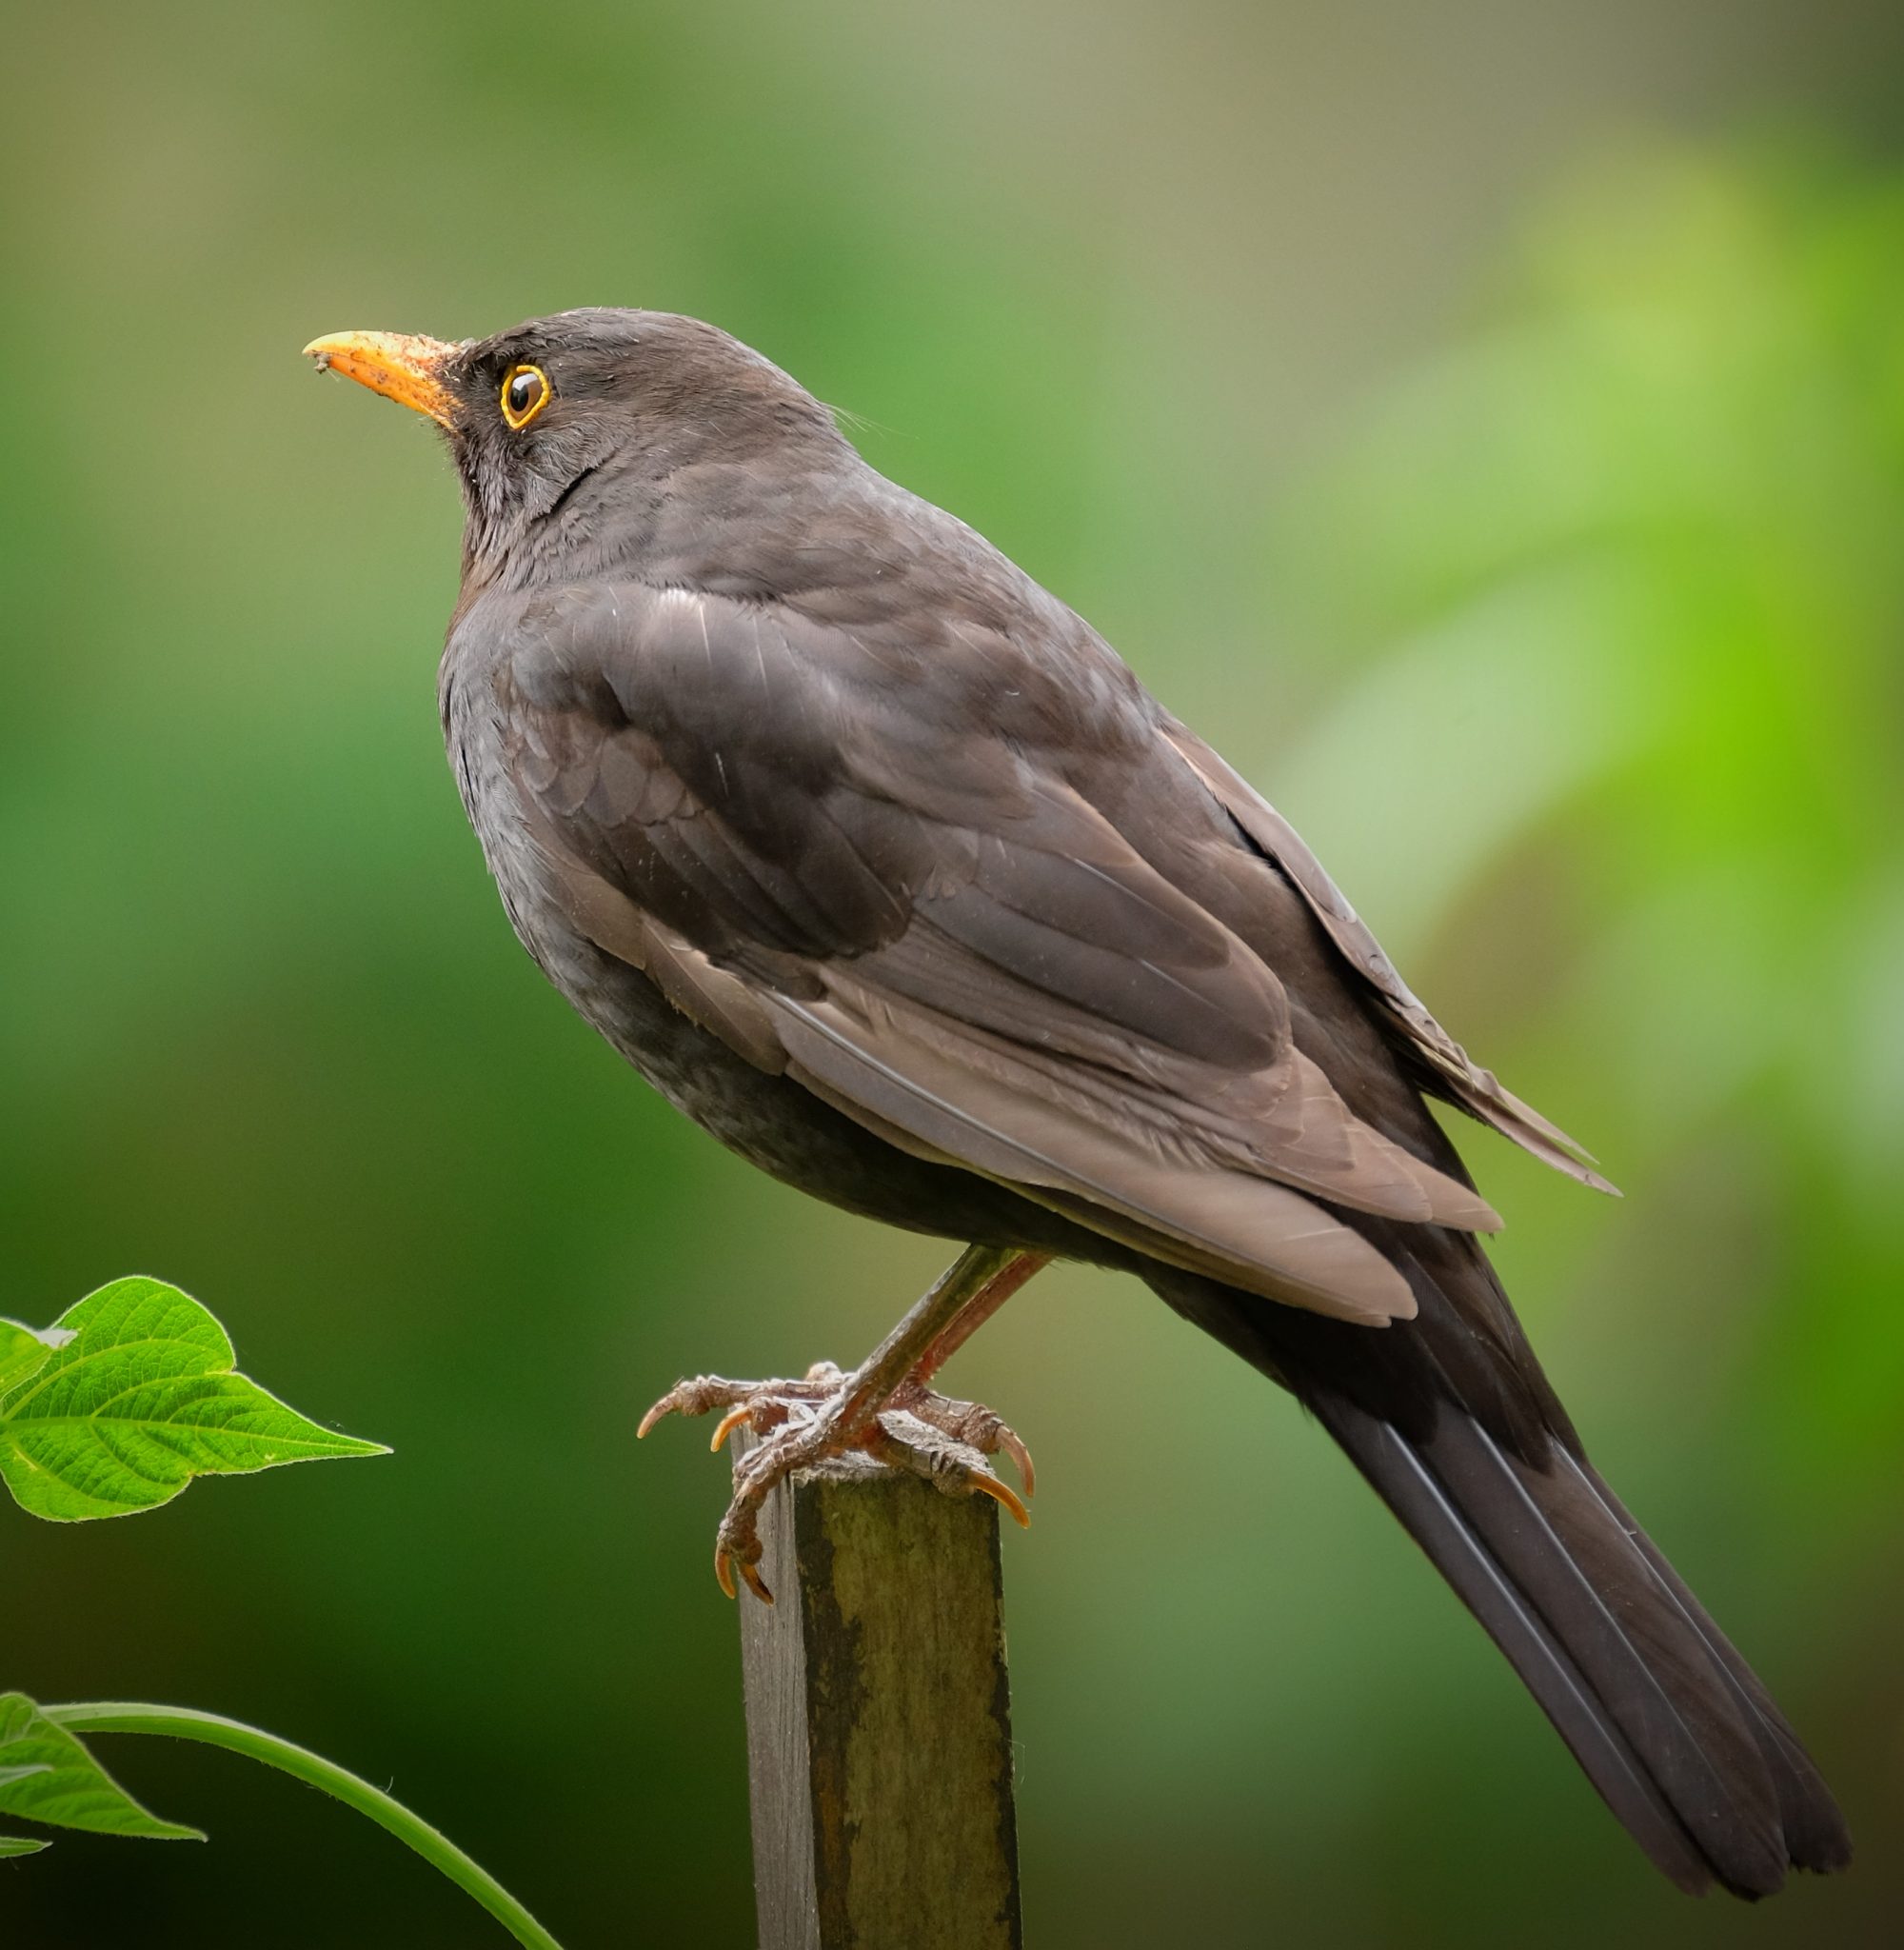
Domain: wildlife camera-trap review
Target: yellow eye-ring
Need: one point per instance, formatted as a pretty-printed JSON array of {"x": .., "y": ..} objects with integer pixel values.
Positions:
[{"x": 525, "y": 392}]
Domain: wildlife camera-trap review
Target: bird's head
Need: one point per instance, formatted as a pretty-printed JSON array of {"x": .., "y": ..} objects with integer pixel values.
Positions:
[{"x": 567, "y": 429}]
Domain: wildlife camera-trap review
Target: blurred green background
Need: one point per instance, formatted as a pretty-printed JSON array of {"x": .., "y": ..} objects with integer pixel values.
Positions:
[{"x": 1486, "y": 421}]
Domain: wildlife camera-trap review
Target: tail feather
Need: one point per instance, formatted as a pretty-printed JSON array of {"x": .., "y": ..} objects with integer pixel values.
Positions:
[
  {"x": 1546, "y": 1668},
  {"x": 1670, "y": 1724},
  {"x": 1652, "y": 1717},
  {"x": 1815, "y": 1829}
]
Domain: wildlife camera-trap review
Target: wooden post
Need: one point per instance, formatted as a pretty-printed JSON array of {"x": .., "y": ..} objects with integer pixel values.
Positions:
[{"x": 879, "y": 1719}]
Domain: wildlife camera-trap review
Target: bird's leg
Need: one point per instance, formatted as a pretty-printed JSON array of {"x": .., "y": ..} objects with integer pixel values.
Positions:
[
  {"x": 766, "y": 1406},
  {"x": 883, "y": 1408},
  {"x": 1017, "y": 1269},
  {"x": 971, "y": 1423}
]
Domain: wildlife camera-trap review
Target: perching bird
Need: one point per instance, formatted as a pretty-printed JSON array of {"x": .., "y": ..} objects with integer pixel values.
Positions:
[{"x": 874, "y": 859}]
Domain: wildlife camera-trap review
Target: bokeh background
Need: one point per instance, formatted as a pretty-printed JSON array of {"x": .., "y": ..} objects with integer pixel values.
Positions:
[{"x": 1487, "y": 421}]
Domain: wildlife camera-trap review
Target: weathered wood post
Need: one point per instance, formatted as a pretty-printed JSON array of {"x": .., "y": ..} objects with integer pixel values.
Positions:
[{"x": 879, "y": 1719}]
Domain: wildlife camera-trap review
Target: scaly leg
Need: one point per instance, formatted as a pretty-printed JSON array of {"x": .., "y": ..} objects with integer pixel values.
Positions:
[
  {"x": 971, "y": 1423},
  {"x": 884, "y": 1407}
]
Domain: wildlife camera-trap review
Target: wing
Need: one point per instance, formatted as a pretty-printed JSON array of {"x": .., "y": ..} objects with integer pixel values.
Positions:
[
  {"x": 1446, "y": 1066},
  {"x": 864, "y": 863}
]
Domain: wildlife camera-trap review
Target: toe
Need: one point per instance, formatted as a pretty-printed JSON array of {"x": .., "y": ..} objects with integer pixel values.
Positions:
[
  {"x": 902, "y": 1437},
  {"x": 695, "y": 1395}
]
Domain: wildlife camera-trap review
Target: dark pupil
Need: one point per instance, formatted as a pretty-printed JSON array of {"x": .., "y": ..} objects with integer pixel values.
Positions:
[{"x": 522, "y": 391}]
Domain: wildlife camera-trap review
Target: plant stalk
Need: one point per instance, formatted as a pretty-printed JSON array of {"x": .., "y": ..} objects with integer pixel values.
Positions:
[{"x": 213, "y": 1729}]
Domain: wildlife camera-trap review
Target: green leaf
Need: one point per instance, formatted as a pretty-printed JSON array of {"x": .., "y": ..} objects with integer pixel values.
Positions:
[
  {"x": 47, "y": 1775},
  {"x": 139, "y": 1397},
  {"x": 23, "y": 1352},
  {"x": 18, "y": 1845}
]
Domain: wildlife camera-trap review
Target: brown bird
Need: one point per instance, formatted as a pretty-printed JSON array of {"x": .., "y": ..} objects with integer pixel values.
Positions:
[{"x": 876, "y": 861}]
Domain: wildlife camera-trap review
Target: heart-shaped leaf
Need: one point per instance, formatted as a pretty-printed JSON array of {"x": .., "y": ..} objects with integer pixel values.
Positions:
[
  {"x": 139, "y": 1397},
  {"x": 47, "y": 1775}
]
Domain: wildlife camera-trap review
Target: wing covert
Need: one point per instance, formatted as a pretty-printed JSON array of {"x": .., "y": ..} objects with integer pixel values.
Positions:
[{"x": 963, "y": 954}]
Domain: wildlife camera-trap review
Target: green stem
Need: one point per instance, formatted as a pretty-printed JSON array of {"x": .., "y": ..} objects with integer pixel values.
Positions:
[{"x": 214, "y": 1730}]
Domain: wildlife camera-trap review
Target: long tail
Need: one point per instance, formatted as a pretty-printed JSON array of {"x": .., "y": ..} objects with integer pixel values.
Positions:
[{"x": 1459, "y": 1437}]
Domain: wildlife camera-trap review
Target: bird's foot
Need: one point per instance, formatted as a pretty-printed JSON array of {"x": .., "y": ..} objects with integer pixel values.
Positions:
[
  {"x": 799, "y": 1423},
  {"x": 970, "y": 1424}
]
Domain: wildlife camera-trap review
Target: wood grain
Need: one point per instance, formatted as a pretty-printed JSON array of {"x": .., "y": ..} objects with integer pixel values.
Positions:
[{"x": 878, "y": 1720}]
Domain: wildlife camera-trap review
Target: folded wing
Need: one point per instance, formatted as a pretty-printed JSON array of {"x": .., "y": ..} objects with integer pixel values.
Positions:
[{"x": 949, "y": 944}]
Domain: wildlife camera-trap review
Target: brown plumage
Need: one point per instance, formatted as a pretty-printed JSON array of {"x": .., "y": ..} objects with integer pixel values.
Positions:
[{"x": 874, "y": 857}]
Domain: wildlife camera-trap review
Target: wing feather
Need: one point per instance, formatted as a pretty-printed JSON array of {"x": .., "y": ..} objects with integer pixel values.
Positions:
[
  {"x": 966, "y": 956},
  {"x": 1464, "y": 1082}
]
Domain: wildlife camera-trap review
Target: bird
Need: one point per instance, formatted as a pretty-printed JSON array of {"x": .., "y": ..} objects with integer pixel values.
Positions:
[{"x": 876, "y": 860}]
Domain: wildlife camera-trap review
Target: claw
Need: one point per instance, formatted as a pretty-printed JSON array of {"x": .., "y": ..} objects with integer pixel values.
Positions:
[
  {"x": 972, "y": 1423},
  {"x": 988, "y": 1485},
  {"x": 725, "y": 1563},
  {"x": 683, "y": 1398},
  {"x": 1009, "y": 1442},
  {"x": 799, "y": 1423},
  {"x": 697, "y": 1395}
]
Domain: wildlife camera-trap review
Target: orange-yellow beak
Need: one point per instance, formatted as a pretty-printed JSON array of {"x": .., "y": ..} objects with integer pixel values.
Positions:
[{"x": 398, "y": 365}]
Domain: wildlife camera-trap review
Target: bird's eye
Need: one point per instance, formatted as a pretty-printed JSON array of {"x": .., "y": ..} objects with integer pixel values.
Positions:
[{"x": 525, "y": 392}]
